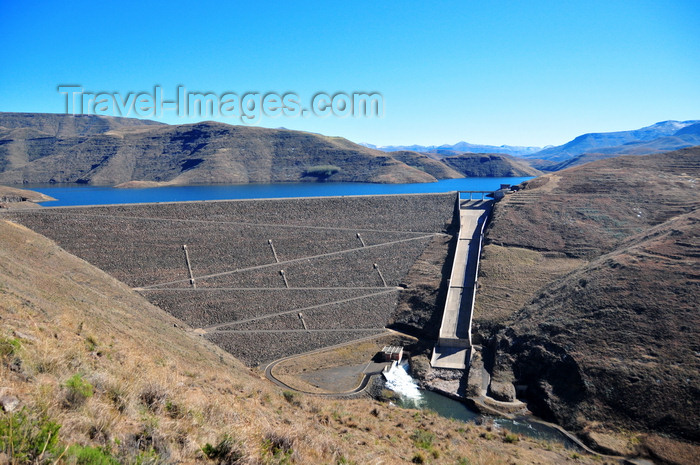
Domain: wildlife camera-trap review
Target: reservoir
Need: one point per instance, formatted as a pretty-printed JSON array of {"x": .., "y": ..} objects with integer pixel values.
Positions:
[{"x": 80, "y": 194}]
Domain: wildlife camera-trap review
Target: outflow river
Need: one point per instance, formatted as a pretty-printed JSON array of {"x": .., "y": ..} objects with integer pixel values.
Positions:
[
  {"x": 400, "y": 381},
  {"x": 80, "y": 194}
]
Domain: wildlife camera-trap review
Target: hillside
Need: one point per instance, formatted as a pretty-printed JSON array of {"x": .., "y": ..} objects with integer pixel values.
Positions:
[
  {"x": 92, "y": 373},
  {"x": 639, "y": 303},
  {"x": 433, "y": 167},
  {"x": 11, "y": 197},
  {"x": 191, "y": 154},
  {"x": 589, "y": 292},
  {"x": 41, "y": 148},
  {"x": 489, "y": 165},
  {"x": 64, "y": 126}
]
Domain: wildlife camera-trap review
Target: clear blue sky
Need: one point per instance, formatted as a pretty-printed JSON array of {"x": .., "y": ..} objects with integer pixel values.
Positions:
[{"x": 495, "y": 72}]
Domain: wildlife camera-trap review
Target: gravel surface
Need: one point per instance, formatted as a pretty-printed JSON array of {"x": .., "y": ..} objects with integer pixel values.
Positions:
[
  {"x": 367, "y": 312},
  {"x": 410, "y": 212},
  {"x": 201, "y": 308},
  {"x": 260, "y": 348}
]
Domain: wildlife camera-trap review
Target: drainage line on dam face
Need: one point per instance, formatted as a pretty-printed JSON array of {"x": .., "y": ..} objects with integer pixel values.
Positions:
[
  {"x": 303, "y": 323},
  {"x": 376, "y": 267},
  {"x": 272, "y": 246},
  {"x": 361, "y": 241},
  {"x": 189, "y": 267},
  {"x": 297, "y": 310},
  {"x": 293, "y": 260}
]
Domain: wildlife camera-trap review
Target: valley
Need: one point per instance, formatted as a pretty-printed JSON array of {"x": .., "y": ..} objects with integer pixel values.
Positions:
[{"x": 585, "y": 305}]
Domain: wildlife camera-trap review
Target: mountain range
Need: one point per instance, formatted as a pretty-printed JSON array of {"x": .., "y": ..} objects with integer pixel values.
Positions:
[
  {"x": 55, "y": 148},
  {"x": 99, "y": 150},
  {"x": 660, "y": 137},
  {"x": 459, "y": 147}
]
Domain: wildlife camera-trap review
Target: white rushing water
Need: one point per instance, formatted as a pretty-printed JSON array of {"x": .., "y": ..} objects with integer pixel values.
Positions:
[{"x": 399, "y": 380}]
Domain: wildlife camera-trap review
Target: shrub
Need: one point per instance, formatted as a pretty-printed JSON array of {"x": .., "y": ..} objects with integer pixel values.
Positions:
[
  {"x": 91, "y": 343},
  {"x": 174, "y": 410},
  {"x": 118, "y": 395},
  {"x": 146, "y": 446},
  {"x": 418, "y": 458},
  {"x": 423, "y": 439},
  {"x": 86, "y": 455},
  {"x": 344, "y": 461},
  {"x": 226, "y": 452},
  {"x": 292, "y": 398},
  {"x": 9, "y": 347},
  {"x": 511, "y": 438},
  {"x": 277, "y": 449},
  {"x": 153, "y": 397},
  {"x": 321, "y": 171},
  {"x": 26, "y": 438},
  {"x": 77, "y": 390}
]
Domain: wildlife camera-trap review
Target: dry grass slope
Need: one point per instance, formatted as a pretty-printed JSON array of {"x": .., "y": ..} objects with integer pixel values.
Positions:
[{"x": 594, "y": 273}]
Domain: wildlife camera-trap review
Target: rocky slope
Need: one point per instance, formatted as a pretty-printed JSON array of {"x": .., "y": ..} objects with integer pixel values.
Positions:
[
  {"x": 608, "y": 339},
  {"x": 617, "y": 340}
]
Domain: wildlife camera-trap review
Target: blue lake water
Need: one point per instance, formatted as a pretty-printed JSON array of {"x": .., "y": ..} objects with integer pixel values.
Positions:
[{"x": 76, "y": 194}]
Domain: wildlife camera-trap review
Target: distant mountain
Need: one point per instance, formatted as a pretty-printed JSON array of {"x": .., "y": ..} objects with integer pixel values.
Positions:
[
  {"x": 689, "y": 136},
  {"x": 43, "y": 148},
  {"x": 618, "y": 142},
  {"x": 459, "y": 147},
  {"x": 660, "y": 137},
  {"x": 54, "y": 148},
  {"x": 466, "y": 147},
  {"x": 490, "y": 165}
]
